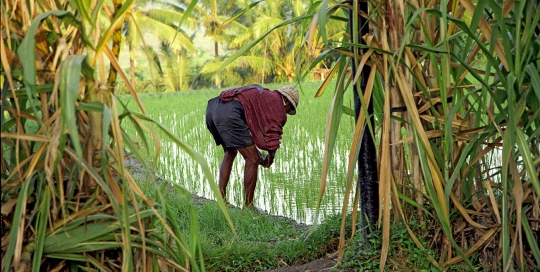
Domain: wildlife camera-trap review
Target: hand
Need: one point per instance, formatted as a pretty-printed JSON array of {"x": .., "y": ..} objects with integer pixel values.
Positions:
[
  {"x": 268, "y": 161},
  {"x": 261, "y": 159}
]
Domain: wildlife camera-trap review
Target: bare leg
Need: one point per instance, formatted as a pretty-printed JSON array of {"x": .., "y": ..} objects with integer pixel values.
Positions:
[
  {"x": 251, "y": 156},
  {"x": 225, "y": 169}
]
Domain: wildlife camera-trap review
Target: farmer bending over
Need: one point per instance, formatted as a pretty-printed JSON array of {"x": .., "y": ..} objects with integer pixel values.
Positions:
[{"x": 244, "y": 119}]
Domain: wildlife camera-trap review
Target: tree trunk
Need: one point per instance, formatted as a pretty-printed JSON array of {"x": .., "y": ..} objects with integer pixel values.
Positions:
[
  {"x": 216, "y": 52},
  {"x": 367, "y": 158}
]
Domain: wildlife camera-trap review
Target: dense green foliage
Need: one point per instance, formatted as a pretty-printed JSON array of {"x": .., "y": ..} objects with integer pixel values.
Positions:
[
  {"x": 463, "y": 153},
  {"x": 192, "y": 58},
  {"x": 68, "y": 202},
  {"x": 460, "y": 156}
]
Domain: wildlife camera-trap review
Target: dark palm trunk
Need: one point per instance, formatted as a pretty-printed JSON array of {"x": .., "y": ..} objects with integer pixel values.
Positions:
[{"x": 367, "y": 159}]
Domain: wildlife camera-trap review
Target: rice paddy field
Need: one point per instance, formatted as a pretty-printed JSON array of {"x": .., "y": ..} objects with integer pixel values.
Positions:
[{"x": 290, "y": 187}]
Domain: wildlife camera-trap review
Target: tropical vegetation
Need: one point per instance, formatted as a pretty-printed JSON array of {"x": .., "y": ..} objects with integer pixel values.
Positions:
[
  {"x": 447, "y": 91},
  {"x": 457, "y": 85},
  {"x": 451, "y": 91},
  {"x": 68, "y": 201}
]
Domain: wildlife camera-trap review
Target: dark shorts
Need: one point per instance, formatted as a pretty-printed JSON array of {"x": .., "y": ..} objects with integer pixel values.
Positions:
[{"x": 227, "y": 123}]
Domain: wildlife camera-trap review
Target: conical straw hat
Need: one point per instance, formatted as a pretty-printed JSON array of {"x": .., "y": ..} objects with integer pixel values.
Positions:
[{"x": 292, "y": 95}]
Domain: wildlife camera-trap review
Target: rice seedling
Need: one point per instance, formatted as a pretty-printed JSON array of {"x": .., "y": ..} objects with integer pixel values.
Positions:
[{"x": 289, "y": 188}]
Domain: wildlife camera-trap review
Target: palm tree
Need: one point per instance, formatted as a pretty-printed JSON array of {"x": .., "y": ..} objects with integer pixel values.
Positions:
[
  {"x": 212, "y": 14},
  {"x": 167, "y": 25},
  {"x": 275, "y": 58}
]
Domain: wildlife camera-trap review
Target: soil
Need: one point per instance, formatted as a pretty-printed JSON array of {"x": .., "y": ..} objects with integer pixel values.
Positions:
[{"x": 323, "y": 264}]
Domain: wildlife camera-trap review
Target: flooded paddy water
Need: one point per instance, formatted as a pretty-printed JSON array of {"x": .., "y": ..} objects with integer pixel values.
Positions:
[{"x": 290, "y": 187}]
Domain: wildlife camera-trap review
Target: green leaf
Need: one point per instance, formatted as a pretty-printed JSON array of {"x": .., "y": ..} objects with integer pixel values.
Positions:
[
  {"x": 528, "y": 160},
  {"x": 199, "y": 158},
  {"x": 325, "y": 54},
  {"x": 247, "y": 47},
  {"x": 41, "y": 227},
  {"x": 412, "y": 202},
  {"x": 194, "y": 240},
  {"x": 114, "y": 23},
  {"x": 322, "y": 19},
  {"x": 76, "y": 257},
  {"x": 535, "y": 78},
  {"x": 348, "y": 111},
  {"x": 237, "y": 15},
  {"x": 83, "y": 7},
  {"x": 332, "y": 125},
  {"x": 15, "y": 226},
  {"x": 70, "y": 77},
  {"x": 27, "y": 55},
  {"x": 311, "y": 10},
  {"x": 187, "y": 13},
  {"x": 531, "y": 239},
  {"x": 69, "y": 238}
]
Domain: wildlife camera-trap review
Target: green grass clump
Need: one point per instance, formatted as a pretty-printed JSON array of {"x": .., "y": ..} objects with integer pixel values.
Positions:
[
  {"x": 263, "y": 241},
  {"x": 402, "y": 253}
]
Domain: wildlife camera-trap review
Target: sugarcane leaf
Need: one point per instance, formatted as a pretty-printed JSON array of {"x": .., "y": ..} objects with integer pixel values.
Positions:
[
  {"x": 332, "y": 126},
  {"x": 532, "y": 71},
  {"x": 531, "y": 239},
  {"x": 15, "y": 226},
  {"x": 27, "y": 55},
  {"x": 70, "y": 237},
  {"x": 528, "y": 160},
  {"x": 70, "y": 77},
  {"x": 198, "y": 157},
  {"x": 116, "y": 22},
  {"x": 322, "y": 19},
  {"x": 76, "y": 257},
  {"x": 41, "y": 227}
]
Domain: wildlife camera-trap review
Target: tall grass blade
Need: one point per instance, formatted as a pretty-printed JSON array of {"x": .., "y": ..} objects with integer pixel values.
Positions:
[
  {"x": 332, "y": 125},
  {"x": 127, "y": 261},
  {"x": 13, "y": 252},
  {"x": 69, "y": 89},
  {"x": 41, "y": 227},
  {"x": 115, "y": 22},
  {"x": 199, "y": 159},
  {"x": 534, "y": 244},
  {"x": 525, "y": 153},
  {"x": 385, "y": 181},
  {"x": 194, "y": 242}
]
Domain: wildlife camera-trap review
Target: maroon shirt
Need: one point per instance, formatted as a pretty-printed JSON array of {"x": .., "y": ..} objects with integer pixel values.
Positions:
[{"x": 265, "y": 114}]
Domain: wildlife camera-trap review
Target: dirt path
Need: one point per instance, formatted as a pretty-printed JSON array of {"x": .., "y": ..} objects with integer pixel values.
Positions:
[{"x": 323, "y": 264}]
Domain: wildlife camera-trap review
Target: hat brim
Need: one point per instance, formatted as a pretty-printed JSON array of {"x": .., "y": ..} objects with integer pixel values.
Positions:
[{"x": 293, "y": 110}]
